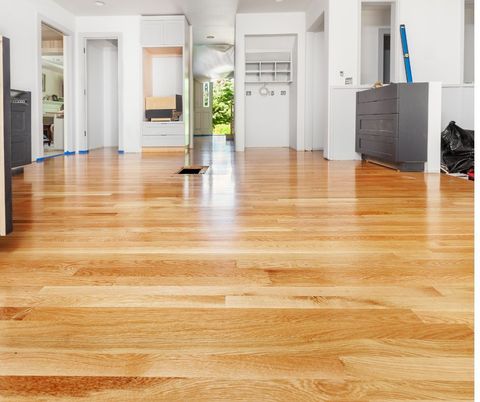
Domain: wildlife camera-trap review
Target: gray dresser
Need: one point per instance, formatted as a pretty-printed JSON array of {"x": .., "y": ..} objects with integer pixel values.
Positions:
[{"x": 392, "y": 126}]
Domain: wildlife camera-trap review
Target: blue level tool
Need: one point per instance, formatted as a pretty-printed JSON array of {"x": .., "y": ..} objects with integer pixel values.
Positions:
[{"x": 406, "y": 54}]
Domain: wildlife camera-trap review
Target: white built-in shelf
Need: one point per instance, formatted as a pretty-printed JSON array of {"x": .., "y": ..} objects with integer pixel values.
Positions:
[{"x": 268, "y": 67}]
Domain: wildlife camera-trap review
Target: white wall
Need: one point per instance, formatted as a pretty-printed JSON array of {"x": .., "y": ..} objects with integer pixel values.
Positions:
[
  {"x": 20, "y": 21},
  {"x": 469, "y": 44},
  {"x": 127, "y": 29},
  {"x": 167, "y": 78},
  {"x": 294, "y": 98},
  {"x": 435, "y": 37},
  {"x": 102, "y": 90},
  {"x": 318, "y": 59},
  {"x": 269, "y": 24},
  {"x": 320, "y": 96},
  {"x": 344, "y": 41},
  {"x": 270, "y": 120},
  {"x": 458, "y": 106},
  {"x": 343, "y": 104},
  {"x": 317, "y": 92}
]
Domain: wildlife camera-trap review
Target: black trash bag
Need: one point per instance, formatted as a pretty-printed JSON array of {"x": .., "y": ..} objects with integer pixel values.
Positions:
[{"x": 458, "y": 154}]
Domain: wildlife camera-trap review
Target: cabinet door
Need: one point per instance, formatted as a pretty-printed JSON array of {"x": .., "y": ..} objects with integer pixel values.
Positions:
[
  {"x": 153, "y": 33},
  {"x": 6, "y": 217},
  {"x": 377, "y": 136},
  {"x": 174, "y": 33},
  {"x": 163, "y": 33},
  {"x": 21, "y": 134}
]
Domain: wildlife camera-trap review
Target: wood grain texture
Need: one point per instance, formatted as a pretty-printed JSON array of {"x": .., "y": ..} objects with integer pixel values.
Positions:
[{"x": 276, "y": 276}]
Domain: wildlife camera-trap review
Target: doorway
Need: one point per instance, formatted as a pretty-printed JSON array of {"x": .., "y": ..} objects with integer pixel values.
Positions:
[
  {"x": 53, "y": 94},
  {"x": 377, "y": 55},
  {"x": 213, "y": 102},
  {"x": 384, "y": 57},
  {"x": 214, "y": 108},
  {"x": 102, "y": 126},
  {"x": 223, "y": 108}
]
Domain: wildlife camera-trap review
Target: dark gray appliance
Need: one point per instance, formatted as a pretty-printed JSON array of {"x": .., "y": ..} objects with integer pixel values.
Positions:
[
  {"x": 21, "y": 102},
  {"x": 392, "y": 126}
]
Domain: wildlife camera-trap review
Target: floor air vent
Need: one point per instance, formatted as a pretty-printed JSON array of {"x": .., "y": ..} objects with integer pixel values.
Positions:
[{"x": 193, "y": 170}]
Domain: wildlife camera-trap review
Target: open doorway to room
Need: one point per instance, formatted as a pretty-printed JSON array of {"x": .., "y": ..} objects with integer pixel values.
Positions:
[
  {"x": 53, "y": 84},
  {"x": 213, "y": 67},
  {"x": 102, "y": 127},
  {"x": 223, "y": 108},
  {"x": 377, "y": 55}
]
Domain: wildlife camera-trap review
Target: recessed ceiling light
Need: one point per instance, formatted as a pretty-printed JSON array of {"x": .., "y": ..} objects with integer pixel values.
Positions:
[
  {"x": 210, "y": 36},
  {"x": 99, "y": 3},
  {"x": 278, "y": 1}
]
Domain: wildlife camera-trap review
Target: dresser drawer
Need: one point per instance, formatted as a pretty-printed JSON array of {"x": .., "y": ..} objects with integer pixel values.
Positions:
[
  {"x": 388, "y": 106},
  {"x": 375, "y": 146},
  {"x": 385, "y": 125},
  {"x": 162, "y": 129},
  {"x": 378, "y": 94}
]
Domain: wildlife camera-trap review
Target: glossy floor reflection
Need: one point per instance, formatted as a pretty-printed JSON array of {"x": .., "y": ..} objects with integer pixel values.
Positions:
[{"x": 276, "y": 276}]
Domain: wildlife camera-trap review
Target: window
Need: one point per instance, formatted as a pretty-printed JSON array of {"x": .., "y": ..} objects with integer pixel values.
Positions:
[{"x": 206, "y": 94}]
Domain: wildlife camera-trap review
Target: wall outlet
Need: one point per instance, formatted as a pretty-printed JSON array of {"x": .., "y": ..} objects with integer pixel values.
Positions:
[
  {"x": 249, "y": 93},
  {"x": 349, "y": 81},
  {"x": 342, "y": 73}
]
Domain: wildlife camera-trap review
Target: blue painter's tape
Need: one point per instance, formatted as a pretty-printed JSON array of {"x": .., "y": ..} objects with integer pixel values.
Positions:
[
  {"x": 84, "y": 152},
  {"x": 68, "y": 153},
  {"x": 44, "y": 158},
  {"x": 121, "y": 152}
]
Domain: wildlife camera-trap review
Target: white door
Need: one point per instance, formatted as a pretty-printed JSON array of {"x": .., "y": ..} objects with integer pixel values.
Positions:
[
  {"x": 102, "y": 93},
  {"x": 203, "y": 108}
]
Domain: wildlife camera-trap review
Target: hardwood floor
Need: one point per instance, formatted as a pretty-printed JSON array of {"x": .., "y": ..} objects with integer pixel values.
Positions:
[{"x": 276, "y": 276}]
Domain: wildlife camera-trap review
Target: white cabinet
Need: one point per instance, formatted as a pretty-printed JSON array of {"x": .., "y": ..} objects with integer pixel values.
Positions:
[
  {"x": 163, "y": 31},
  {"x": 166, "y": 52},
  {"x": 169, "y": 134}
]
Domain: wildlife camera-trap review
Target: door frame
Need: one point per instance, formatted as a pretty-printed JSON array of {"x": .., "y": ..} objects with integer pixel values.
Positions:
[
  {"x": 382, "y": 32},
  {"x": 82, "y": 136},
  {"x": 68, "y": 89}
]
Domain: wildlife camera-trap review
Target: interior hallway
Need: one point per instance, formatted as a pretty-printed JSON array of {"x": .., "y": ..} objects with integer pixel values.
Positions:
[{"x": 274, "y": 276}]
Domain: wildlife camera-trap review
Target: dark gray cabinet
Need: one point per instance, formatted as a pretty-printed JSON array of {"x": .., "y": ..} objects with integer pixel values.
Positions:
[
  {"x": 6, "y": 217},
  {"x": 21, "y": 128},
  {"x": 392, "y": 125}
]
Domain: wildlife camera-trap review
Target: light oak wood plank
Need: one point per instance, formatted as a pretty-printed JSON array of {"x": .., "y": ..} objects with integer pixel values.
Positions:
[{"x": 276, "y": 276}]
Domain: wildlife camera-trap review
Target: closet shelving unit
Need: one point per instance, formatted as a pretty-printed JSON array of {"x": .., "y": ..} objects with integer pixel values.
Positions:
[
  {"x": 165, "y": 47},
  {"x": 269, "y": 67}
]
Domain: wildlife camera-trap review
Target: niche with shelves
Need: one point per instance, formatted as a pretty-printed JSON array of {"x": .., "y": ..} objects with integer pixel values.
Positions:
[{"x": 268, "y": 67}]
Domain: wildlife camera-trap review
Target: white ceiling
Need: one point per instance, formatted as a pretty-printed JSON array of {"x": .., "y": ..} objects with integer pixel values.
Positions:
[{"x": 208, "y": 17}]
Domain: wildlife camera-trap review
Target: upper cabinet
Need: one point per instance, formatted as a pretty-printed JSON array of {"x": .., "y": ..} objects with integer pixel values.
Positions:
[{"x": 163, "y": 31}]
